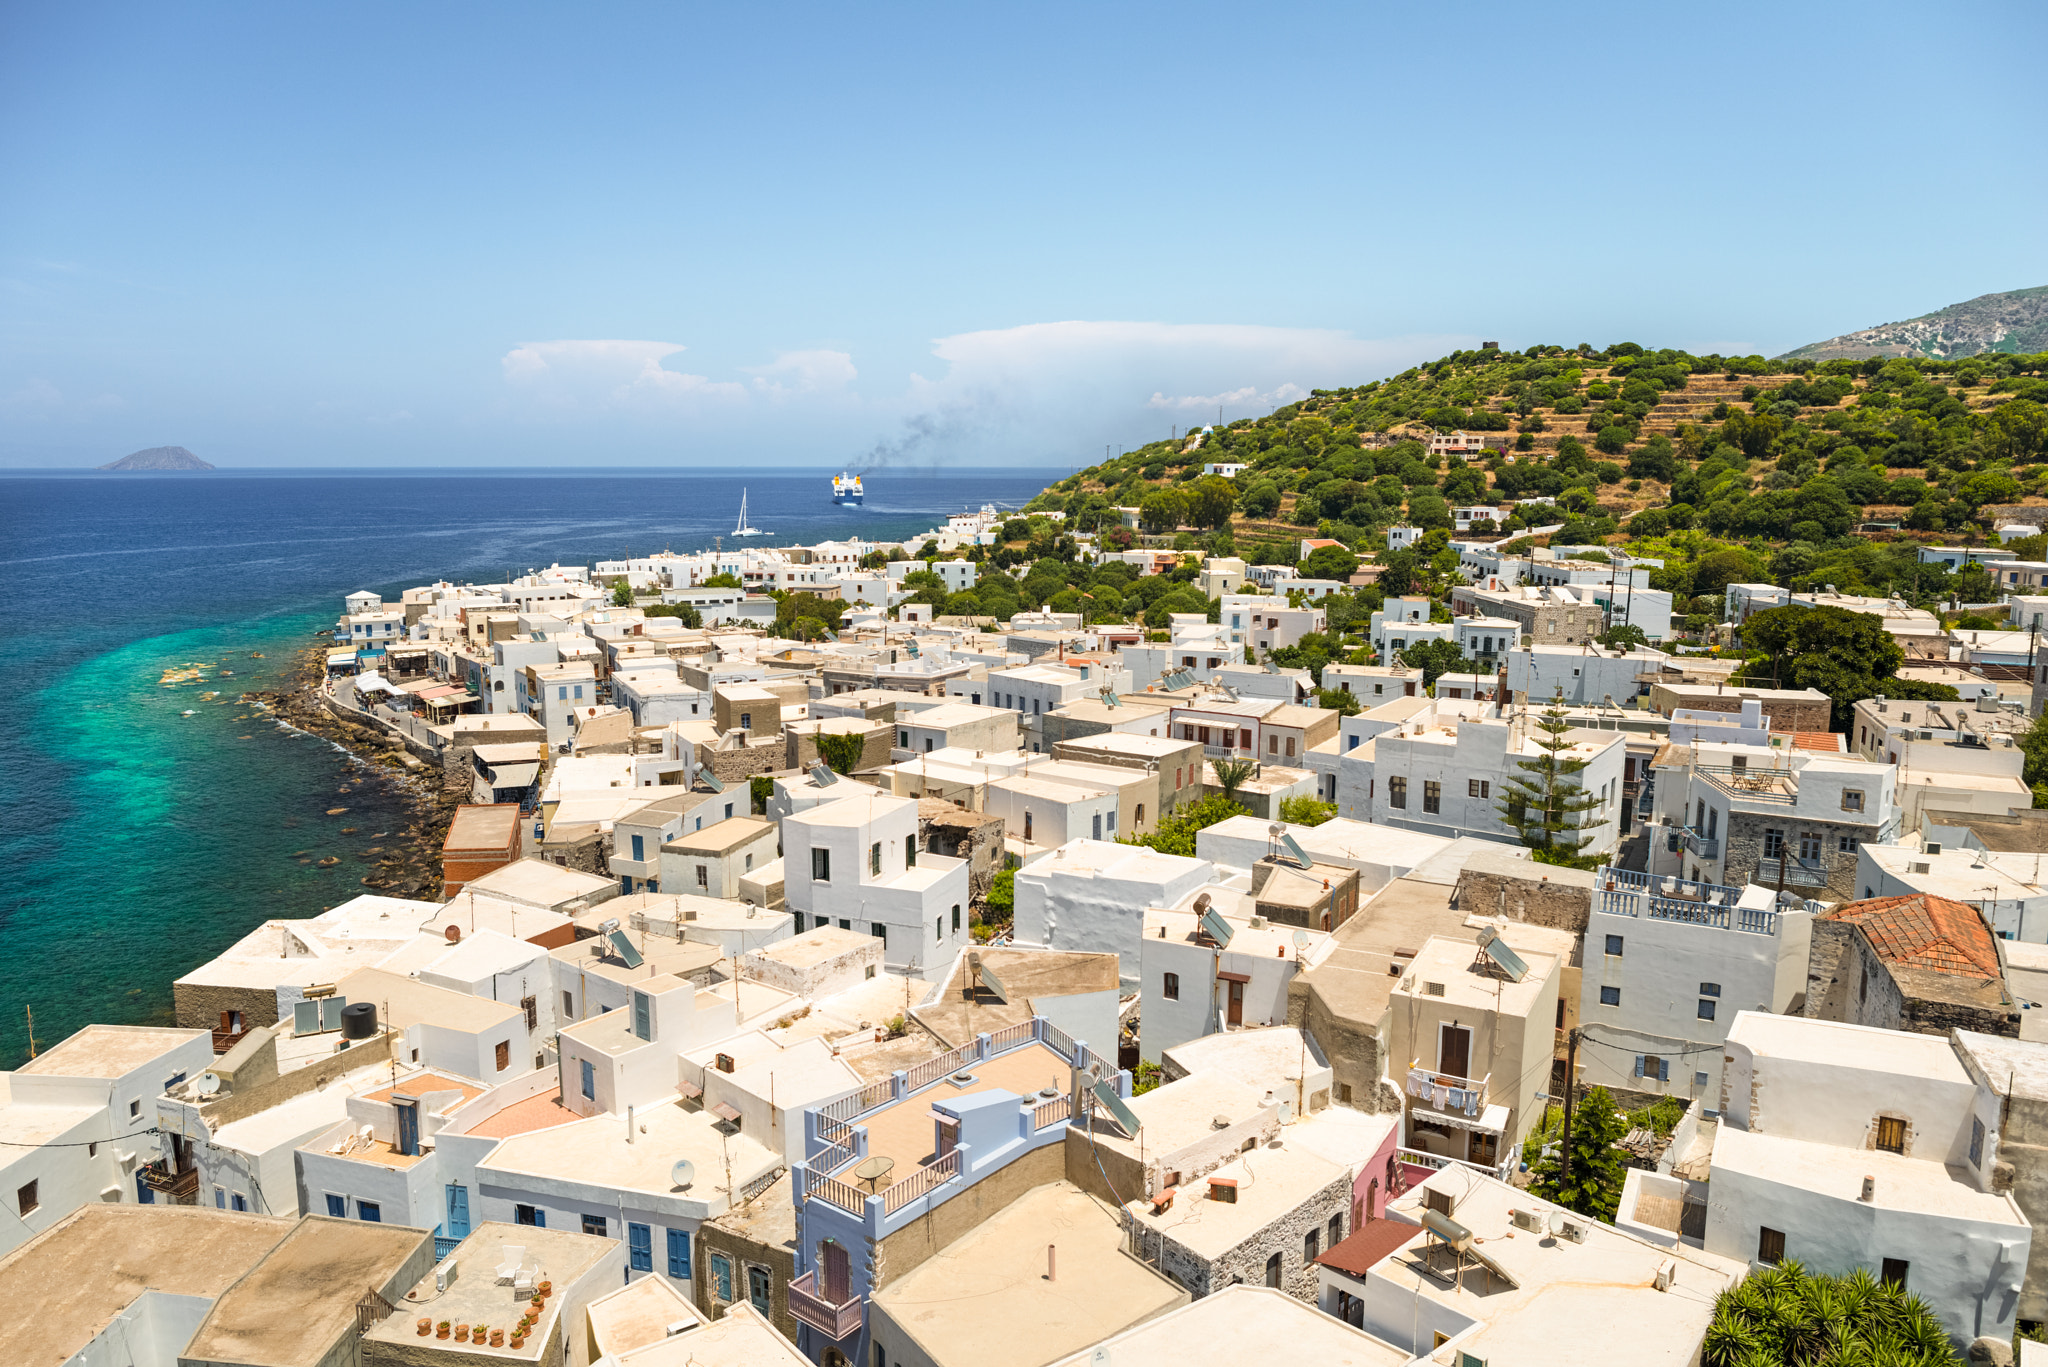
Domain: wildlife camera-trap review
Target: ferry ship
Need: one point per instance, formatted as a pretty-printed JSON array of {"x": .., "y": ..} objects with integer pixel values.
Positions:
[{"x": 847, "y": 489}]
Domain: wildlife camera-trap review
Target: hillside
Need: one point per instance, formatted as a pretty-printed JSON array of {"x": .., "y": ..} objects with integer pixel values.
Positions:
[
  {"x": 1776, "y": 463},
  {"x": 2015, "y": 322},
  {"x": 159, "y": 458}
]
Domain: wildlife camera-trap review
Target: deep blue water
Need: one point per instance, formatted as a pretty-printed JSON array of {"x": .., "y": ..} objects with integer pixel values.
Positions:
[{"x": 138, "y": 840}]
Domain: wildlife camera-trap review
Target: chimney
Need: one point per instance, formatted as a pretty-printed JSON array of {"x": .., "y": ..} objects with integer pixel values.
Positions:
[
  {"x": 1052, "y": 1272},
  {"x": 1869, "y": 1191}
]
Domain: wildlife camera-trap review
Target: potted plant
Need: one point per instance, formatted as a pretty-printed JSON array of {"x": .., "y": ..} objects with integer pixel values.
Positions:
[
  {"x": 476, "y": 1335},
  {"x": 497, "y": 1338},
  {"x": 462, "y": 1333},
  {"x": 518, "y": 1338},
  {"x": 547, "y": 1289},
  {"x": 442, "y": 1333},
  {"x": 426, "y": 1326}
]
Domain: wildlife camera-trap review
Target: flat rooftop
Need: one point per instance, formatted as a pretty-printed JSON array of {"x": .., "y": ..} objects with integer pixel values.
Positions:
[
  {"x": 404, "y": 1002},
  {"x": 721, "y": 836},
  {"x": 595, "y": 1154},
  {"x": 1840, "y": 1044},
  {"x": 475, "y": 1297},
  {"x": 523, "y": 1117},
  {"x": 538, "y": 883},
  {"x": 963, "y": 1011},
  {"x": 1181, "y": 1113},
  {"x": 83, "y": 1271},
  {"x": 985, "y": 1298},
  {"x": 1459, "y": 968},
  {"x": 1560, "y": 1287},
  {"x": 904, "y": 1130},
  {"x": 485, "y": 828},
  {"x": 299, "y": 1301},
  {"x": 1243, "y": 1324},
  {"x": 108, "y": 1051},
  {"x": 738, "y": 1338},
  {"x": 814, "y": 947},
  {"x": 1905, "y": 1184},
  {"x": 1272, "y": 1180}
]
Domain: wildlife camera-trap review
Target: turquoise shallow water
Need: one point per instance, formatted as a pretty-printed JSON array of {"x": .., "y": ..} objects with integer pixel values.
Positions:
[{"x": 138, "y": 841}]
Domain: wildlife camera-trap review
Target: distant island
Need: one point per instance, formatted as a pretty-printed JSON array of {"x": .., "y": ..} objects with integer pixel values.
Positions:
[
  {"x": 159, "y": 458},
  {"x": 2015, "y": 323}
]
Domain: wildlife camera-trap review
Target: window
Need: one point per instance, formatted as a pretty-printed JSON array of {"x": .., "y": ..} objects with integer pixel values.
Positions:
[
  {"x": 504, "y": 1055},
  {"x": 640, "y": 1247},
  {"x": 721, "y": 1277},
  {"x": 821, "y": 865},
  {"x": 569, "y": 1005},
  {"x": 589, "y": 1079},
  {"x": 1706, "y": 1011},
  {"x": 371, "y": 1211},
  {"x": 880, "y": 931},
  {"x": 1290, "y": 747},
  {"x": 337, "y": 1206},
  {"x": 1140, "y": 814},
  {"x": 134, "y": 1109},
  {"x": 1273, "y": 745},
  {"x": 1477, "y": 787},
  {"x": 1652, "y": 1068},
  {"x": 1891, "y": 1134},
  {"x": 1845, "y": 844},
  {"x": 956, "y": 918},
  {"x": 1710, "y": 989},
  {"x": 1311, "y": 1245},
  {"x": 1894, "y": 1273},
  {"x": 1770, "y": 1246},
  {"x": 1614, "y": 946},
  {"x": 26, "y": 1198},
  {"x": 1774, "y": 842},
  {"x": 640, "y": 847},
  {"x": 1397, "y": 792},
  {"x": 875, "y": 859},
  {"x": 758, "y": 1289},
  {"x": 1610, "y": 996},
  {"x": 1336, "y": 1229},
  {"x": 939, "y": 929},
  {"x": 1273, "y": 1270},
  {"x": 703, "y": 876},
  {"x": 1809, "y": 845},
  {"x": 1699, "y": 1080},
  {"x": 1432, "y": 796},
  {"x": 1852, "y": 799},
  {"x": 679, "y": 1254},
  {"x": 1170, "y": 988},
  {"x": 909, "y": 851}
]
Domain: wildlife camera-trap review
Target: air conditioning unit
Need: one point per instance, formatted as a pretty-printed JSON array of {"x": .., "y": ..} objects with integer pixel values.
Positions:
[
  {"x": 1667, "y": 1274},
  {"x": 1932, "y": 848},
  {"x": 1527, "y": 1219},
  {"x": 1223, "y": 1189},
  {"x": 1918, "y": 868}
]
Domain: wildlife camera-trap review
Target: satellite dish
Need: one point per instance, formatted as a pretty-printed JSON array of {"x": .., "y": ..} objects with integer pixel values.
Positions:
[
  {"x": 1300, "y": 940},
  {"x": 208, "y": 1084},
  {"x": 683, "y": 1173}
]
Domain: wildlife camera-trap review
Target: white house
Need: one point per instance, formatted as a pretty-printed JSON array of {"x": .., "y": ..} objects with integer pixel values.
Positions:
[
  {"x": 1091, "y": 896},
  {"x": 855, "y": 863},
  {"x": 1193, "y": 984}
]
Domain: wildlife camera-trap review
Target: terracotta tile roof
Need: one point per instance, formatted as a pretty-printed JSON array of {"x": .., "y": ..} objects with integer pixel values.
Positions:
[
  {"x": 1368, "y": 1244},
  {"x": 1827, "y": 742},
  {"x": 1926, "y": 932}
]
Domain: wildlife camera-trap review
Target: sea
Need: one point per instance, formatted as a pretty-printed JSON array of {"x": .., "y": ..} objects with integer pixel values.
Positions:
[{"x": 148, "y": 819}]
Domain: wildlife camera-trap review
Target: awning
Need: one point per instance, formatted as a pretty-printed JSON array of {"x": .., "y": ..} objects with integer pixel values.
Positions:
[
  {"x": 1491, "y": 1120},
  {"x": 1223, "y": 977},
  {"x": 725, "y": 1112},
  {"x": 690, "y": 1090}
]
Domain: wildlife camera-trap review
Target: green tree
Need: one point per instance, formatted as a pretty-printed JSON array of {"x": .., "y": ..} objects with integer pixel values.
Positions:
[
  {"x": 840, "y": 750},
  {"x": 1163, "y": 510},
  {"x": 1785, "y": 1316},
  {"x": 1623, "y": 637},
  {"x": 1002, "y": 896},
  {"x": 1176, "y": 832},
  {"x": 1306, "y": 811},
  {"x": 722, "y": 581},
  {"x": 1233, "y": 773},
  {"x": 793, "y": 608},
  {"x": 1598, "y": 1165},
  {"x": 1260, "y": 499},
  {"x": 622, "y": 594},
  {"x": 1338, "y": 700},
  {"x": 1436, "y": 659},
  {"x": 760, "y": 788},
  {"x": 1544, "y": 805},
  {"x": 1329, "y": 562},
  {"x": 1210, "y": 501},
  {"x": 1847, "y": 655}
]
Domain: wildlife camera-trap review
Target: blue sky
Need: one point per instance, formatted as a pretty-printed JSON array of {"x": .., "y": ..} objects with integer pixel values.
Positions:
[{"x": 667, "y": 234}]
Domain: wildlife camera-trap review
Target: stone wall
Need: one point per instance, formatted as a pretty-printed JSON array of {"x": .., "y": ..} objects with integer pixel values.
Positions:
[
  {"x": 1845, "y": 981},
  {"x": 1786, "y": 714},
  {"x": 1247, "y": 1261},
  {"x": 1745, "y": 851},
  {"x": 973, "y": 836},
  {"x": 743, "y": 762},
  {"x": 1560, "y": 899},
  {"x": 778, "y": 1258},
  {"x": 198, "y": 1005},
  {"x": 800, "y": 743},
  {"x": 245, "y": 1100},
  {"x": 1357, "y": 1053},
  {"x": 2022, "y": 1169}
]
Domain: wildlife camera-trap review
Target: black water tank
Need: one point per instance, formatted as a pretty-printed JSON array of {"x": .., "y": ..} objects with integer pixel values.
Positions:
[{"x": 358, "y": 1020}]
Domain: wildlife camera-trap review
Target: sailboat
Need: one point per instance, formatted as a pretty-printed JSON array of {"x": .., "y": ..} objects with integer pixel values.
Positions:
[{"x": 742, "y": 529}]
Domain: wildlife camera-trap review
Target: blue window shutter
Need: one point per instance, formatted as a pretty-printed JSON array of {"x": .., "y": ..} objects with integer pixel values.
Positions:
[
  {"x": 337, "y": 1206},
  {"x": 640, "y": 1247},
  {"x": 590, "y": 1077},
  {"x": 1639, "y": 1065},
  {"x": 1663, "y": 1070},
  {"x": 679, "y": 1254},
  {"x": 458, "y": 1211}
]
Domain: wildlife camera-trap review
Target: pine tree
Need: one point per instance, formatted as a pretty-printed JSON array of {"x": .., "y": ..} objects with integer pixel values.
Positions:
[
  {"x": 1548, "y": 808},
  {"x": 1598, "y": 1168}
]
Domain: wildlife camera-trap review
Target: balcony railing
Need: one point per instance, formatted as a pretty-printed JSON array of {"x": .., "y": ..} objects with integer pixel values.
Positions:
[
  {"x": 181, "y": 1187},
  {"x": 1705, "y": 846},
  {"x": 925, "y": 1179},
  {"x": 224, "y": 1040},
  {"x": 1436, "y": 1162},
  {"x": 835, "y": 1321},
  {"x": 1050, "y": 1112},
  {"x": 1423, "y": 1085},
  {"x": 1770, "y": 787},
  {"x": 1807, "y": 873}
]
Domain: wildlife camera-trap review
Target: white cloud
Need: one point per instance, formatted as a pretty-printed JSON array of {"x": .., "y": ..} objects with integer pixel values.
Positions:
[
  {"x": 1246, "y": 397},
  {"x": 606, "y": 373},
  {"x": 804, "y": 372}
]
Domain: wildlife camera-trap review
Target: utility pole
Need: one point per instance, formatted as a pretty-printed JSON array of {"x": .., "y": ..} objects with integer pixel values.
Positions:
[{"x": 1571, "y": 1071}]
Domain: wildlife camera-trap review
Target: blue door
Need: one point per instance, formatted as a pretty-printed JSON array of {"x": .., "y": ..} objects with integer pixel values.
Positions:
[
  {"x": 589, "y": 1079},
  {"x": 458, "y": 1211}
]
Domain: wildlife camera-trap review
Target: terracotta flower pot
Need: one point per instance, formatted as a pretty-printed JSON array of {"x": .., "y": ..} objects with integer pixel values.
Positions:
[
  {"x": 462, "y": 1333},
  {"x": 519, "y": 1340},
  {"x": 547, "y": 1288},
  {"x": 497, "y": 1338},
  {"x": 442, "y": 1332},
  {"x": 426, "y": 1327}
]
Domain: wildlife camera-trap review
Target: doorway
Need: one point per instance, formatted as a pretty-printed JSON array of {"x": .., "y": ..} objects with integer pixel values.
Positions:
[
  {"x": 1235, "y": 1014},
  {"x": 1454, "y": 1050}
]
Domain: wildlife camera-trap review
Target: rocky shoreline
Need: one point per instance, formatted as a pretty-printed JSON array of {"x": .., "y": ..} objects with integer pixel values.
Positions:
[{"x": 407, "y": 857}]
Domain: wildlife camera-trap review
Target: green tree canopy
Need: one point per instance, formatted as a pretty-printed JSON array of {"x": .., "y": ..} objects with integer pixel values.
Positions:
[
  {"x": 722, "y": 581},
  {"x": 1210, "y": 500},
  {"x": 1847, "y": 655},
  {"x": 1329, "y": 562},
  {"x": 1176, "y": 832},
  {"x": 1785, "y": 1316},
  {"x": 1598, "y": 1165},
  {"x": 1435, "y": 659},
  {"x": 1163, "y": 510},
  {"x": 1545, "y": 805}
]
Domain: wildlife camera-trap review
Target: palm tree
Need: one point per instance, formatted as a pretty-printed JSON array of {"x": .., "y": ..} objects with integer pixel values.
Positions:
[
  {"x": 1785, "y": 1316},
  {"x": 1232, "y": 774}
]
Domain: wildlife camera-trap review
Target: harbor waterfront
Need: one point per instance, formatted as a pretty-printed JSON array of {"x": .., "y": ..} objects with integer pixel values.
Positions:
[{"x": 153, "y": 825}]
